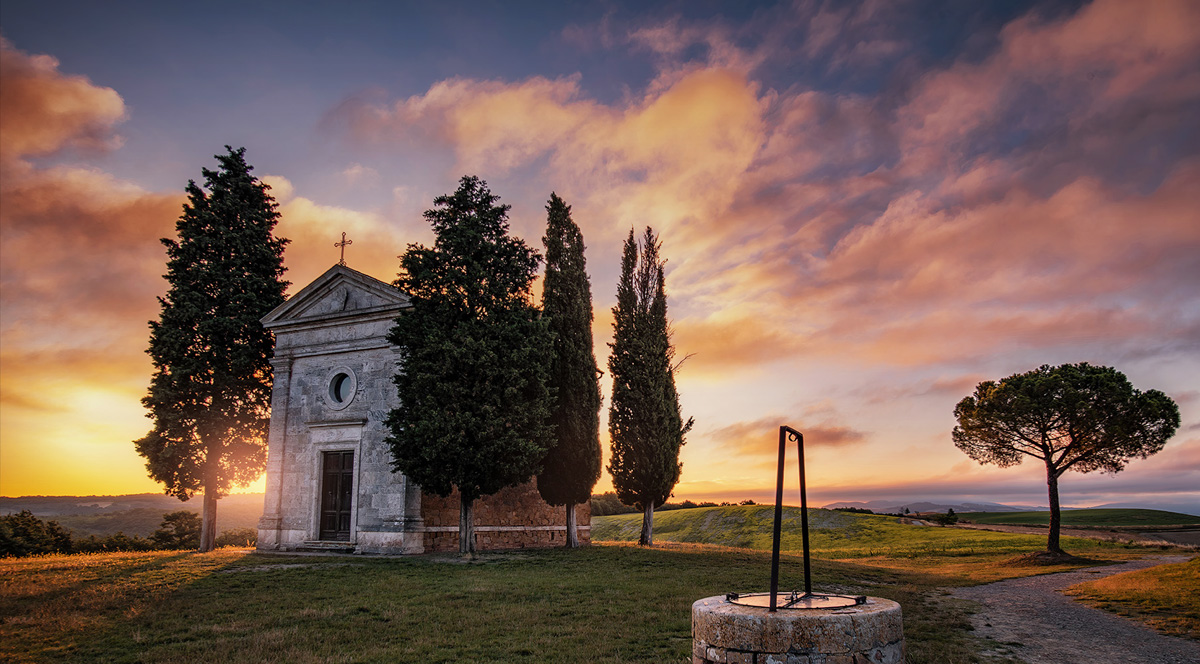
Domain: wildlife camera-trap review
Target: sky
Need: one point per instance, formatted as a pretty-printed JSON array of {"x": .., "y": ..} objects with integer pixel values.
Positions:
[{"x": 867, "y": 207}]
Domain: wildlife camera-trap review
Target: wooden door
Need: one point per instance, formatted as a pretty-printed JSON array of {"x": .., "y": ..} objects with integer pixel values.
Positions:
[{"x": 337, "y": 493}]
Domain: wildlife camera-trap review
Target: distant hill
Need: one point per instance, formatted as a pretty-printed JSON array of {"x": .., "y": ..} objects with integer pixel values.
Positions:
[
  {"x": 1186, "y": 508},
  {"x": 887, "y": 506},
  {"x": 1087, "y": 517},
  {"x": 133, "y": 514},
  {"x": 894, "y": 507}
]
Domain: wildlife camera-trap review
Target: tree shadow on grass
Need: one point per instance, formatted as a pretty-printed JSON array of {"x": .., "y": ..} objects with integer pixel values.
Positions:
[{"x": 44, "y": 618}]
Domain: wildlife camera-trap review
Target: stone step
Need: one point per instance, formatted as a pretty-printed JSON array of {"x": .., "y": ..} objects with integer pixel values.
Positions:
[{"x": 326, "y": 547}]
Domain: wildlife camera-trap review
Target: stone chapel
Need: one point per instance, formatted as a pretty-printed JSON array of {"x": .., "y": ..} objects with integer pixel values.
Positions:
[{"x": 330, "y": 485}]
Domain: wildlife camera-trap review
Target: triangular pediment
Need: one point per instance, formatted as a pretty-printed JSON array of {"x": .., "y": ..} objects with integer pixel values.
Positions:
[{"x": 339, "y": 293}]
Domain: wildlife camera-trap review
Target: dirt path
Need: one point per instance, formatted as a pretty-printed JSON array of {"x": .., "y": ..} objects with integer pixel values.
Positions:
[{"x": 1037, "y": 624}]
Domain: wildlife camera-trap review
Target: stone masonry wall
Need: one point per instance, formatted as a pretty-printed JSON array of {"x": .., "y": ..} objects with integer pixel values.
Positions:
[{"x": 512, "y": 518}]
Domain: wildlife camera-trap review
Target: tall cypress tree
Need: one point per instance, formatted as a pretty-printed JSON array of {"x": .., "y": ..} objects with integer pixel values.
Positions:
[
  {"x": 644, "y": 422},
  {"x": 572, "y": 465},
  {"x": 210, "y": 393},
  {"x": 475, "y": 352}
]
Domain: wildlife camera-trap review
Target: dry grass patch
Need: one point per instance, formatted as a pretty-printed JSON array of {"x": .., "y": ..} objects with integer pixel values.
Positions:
[
  {"x": 1166, "y": 597},
  {"x": 983, "y": 568},
  {"x": 50, "y": 602}
]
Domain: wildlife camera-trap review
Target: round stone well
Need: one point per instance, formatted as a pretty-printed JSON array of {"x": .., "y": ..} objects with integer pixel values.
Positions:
[{"x": 728, "y": 631}]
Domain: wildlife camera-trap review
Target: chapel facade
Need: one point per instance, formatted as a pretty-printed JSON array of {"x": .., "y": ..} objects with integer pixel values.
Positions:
[{"x": 330, "y": 484}]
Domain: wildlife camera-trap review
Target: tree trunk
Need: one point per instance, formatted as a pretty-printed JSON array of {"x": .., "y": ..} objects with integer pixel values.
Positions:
[
  {"x": 466, "y": 525},
  {"x": 572, "y": 528},
  {"x": 647, "y": 538},
  {"x": 208, "y": 522},
  {"x": 1055, "y": 517}
]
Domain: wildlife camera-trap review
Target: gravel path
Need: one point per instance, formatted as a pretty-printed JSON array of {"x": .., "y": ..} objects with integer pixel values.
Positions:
[{"x": 1038, "y": 624}]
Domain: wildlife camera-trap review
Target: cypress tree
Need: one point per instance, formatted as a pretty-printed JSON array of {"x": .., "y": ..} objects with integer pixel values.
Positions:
[
  {"x": 210, "y": 393},
  {"x": 572, "y": 465},
  {"x": 474, "y": 406},
  {"x": 644, "y": 422}
]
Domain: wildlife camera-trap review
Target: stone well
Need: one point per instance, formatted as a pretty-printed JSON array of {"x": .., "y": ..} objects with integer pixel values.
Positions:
[{"x": 727, "y": 633}]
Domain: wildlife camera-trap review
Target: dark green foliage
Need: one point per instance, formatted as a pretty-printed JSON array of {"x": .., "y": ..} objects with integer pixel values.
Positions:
[
  {"x": 854, "y": 510},
  {"x": 178, "y": 530},
  {"x": 947, "y": 519},
  {"x": 644, "y": 422},
  {"x": 1071, "y": 417},
  {"x": 474, "y": 405},
  {"x": 238, "y": 537},
  {"x": 118, "y": 541},
  {"x": 23, "y": 534},
  {"x": 572, "y": 465},
  {"x": 210, "y": 393},
  {"x": 607, "y": 503}
]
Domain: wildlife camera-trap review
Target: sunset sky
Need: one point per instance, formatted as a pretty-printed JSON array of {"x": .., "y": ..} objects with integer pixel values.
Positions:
[{"x": 867, "y": 208}]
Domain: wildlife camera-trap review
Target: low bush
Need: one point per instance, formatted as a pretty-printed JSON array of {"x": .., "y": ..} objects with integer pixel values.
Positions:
[
  {"x": 240, "y": 537},
  {"x": 23, "y": 534}
]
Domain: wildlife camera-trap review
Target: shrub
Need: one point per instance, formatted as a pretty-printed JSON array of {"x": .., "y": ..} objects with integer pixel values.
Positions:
[
  {"x": 178, "y": 530},
  {"x": 239, "y": 537},
  {"x": 117, "y": 542},
  {"x": 607, "y": 503},
  {"x": 947, "y": 519},
  {"x": 23, "y": 534}
]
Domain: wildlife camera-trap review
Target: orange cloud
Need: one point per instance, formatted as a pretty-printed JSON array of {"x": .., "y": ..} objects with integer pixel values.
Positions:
[
  {"x": 43, "y": 110},
  {"x": 690, "y": 141},
  {"x": 717, "y": 346},
  {"x": 761, "y": 437},
  {"x": 80, "y": 267},
  {"x": 314, "y": 228},
  {"x": 871, "y": 228}
]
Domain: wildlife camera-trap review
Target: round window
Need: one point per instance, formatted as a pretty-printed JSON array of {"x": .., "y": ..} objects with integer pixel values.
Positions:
[{"x": 341, "y": 387}]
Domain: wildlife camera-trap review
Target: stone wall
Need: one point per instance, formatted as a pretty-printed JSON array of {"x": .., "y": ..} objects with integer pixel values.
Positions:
[{"x": 512, "y": 518}]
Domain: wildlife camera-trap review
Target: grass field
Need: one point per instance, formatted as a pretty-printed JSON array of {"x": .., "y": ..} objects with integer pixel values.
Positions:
[
  {"x": 609, "y": 603},
  {"x": 874, "y": 539},
  {"x": 1166, "y": 597},
  {"x": 1097, "y": 518},
  {"x": 604, "y": 603}
]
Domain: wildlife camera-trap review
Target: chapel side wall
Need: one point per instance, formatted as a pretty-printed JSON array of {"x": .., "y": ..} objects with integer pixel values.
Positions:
[{"x": 512, "y": 518}]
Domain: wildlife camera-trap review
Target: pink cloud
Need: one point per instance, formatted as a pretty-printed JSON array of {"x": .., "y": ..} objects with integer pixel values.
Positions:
[
  {"x": 760, "y": 438},
  {"x": 880, "y": 228},
  {"x": 43, "y": 110}
]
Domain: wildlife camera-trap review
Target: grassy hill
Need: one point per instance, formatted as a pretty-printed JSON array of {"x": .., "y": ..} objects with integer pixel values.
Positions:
[
  {"x": 1096, "y": 518},
  {"x": 832, "y": 534}
]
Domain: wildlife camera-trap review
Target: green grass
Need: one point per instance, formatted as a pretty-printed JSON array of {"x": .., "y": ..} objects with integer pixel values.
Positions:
[
  {"x": 604, "y": 603},
  {"x": 1097, "y": 518},
  {"x": 832, "y": 534},
  {"x": 1166, "y": 597}
]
